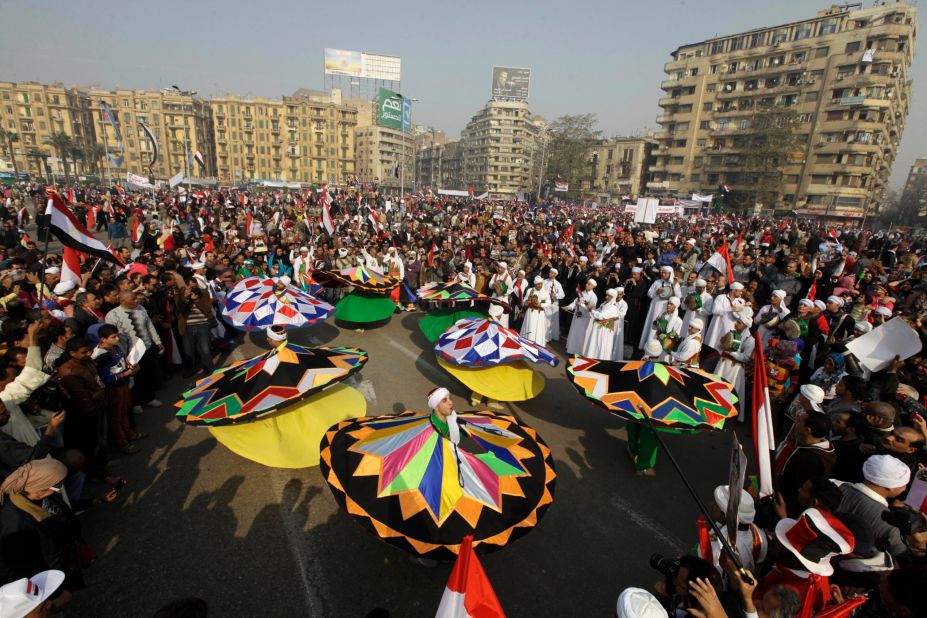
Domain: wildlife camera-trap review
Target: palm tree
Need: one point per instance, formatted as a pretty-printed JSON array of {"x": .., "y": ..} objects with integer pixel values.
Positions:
[
  {"x": 77, "y": 156},
  {"x": 62, "y": 143},
  {"x": 92, "y": 154},
  {"x": 40, "y": 159},
  {"x": 11, "y": 137}
]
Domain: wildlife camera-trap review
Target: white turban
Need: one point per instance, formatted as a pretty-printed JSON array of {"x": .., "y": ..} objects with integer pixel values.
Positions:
[
  {"x": 884, "y": 311},
  {"x": 737, "y": 285},
  {"x": 674, "y": 300},
  {"x": 820, "y": 304},
  {"x": 63, "y": 287},
  {"x": 619, "y": 290},
  {"x": 538, "y": 279},
  {"x": 886, "y": 471},
  {"x": 745, "y": 319},
  {"x": 666, "y": 269},
  {"x": 780, "y": 293},
  {"x": 555, "y": 271},
  {"x": 434, "y": 398},
  {"x": 611, "y": 293},
  {"x": 437, "y": 396},
  {"x": 864, "y": 327},
  {"x": 814, "y": 394},
  {"x": 697, "y": 323},
  {"x": 593, "y": 282},
  {"x": 637, "y": 269},
  {"x": 638, "y": 603},
  {"x": 653, "y": 348},
  {"x": 583, "y": 259},
  {"x": 276, "y": 335},
  {"x": 747, "y": 509},
  {"x": 836, "y": 300},
  {"x": 806, "y": 302},
  {"x": 495, "y": 311},
  {"x": 701, "y": 283},
  {"x": 284, "y": 279}
]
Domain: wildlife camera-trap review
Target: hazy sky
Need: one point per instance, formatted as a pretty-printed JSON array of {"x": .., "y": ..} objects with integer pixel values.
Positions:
[{"x": 599, "y": 56}]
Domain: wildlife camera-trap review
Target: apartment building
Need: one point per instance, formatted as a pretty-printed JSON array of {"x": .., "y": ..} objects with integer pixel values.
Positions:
[
  {"x": 844, "y": 73},
  {"x": 915, "y": 187},
  {"x": 502, "y": 146},
  {"x": 618, "y": 167},
  {"x": 35, "y": 112}
]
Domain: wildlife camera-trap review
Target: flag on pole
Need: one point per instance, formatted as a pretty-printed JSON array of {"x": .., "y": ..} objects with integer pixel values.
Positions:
[
  {"x": 469, "y": 593},
  {"x": 763, "y": 439},
  {"x": 720, "y": 260},
  {"x": 138, "y": 231},
  {"x": 70, "y": 266},
  {"x": 198, "y": 157},
  {"x": 66, "y": 228},
  {"x": 813, "y": 290},
  {"x": 327, "y": 222}
]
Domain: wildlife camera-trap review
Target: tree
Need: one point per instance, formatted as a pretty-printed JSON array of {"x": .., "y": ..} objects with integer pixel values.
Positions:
[
  {"x": 40, "y": 159},
  {"x": 767, "y": 149},
  {"x": 63, "y": 144},
  {"x": 93, "y": 153},
  {"x": 11, "y": 137},
  {"x": 77, "y": 154},
  {"x": 571, "y": 139}
]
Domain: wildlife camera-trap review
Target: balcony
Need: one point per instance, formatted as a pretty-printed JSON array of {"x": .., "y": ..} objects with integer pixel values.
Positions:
[{"x": 858, "y": 102}]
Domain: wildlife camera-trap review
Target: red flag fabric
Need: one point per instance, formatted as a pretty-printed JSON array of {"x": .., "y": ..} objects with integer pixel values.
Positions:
[
  {"x": 138, "y": 230},
  {"x": 469, "y": 592},
  {"x": 842, "y": 610},
  {"x": 248, "y": 222},
  {"x": 764, "y": 442},
  {"x": 431, "y": 254},
  {"x": 70, "y": 267},
  {"x": 813, "y": 290},
  {"x": 66, "y": 228},
  {"x": 327, "y": 222},
  {"x": 727, "y": 260}
]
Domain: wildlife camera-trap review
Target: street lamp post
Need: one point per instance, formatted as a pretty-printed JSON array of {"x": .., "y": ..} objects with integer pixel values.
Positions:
[{"x": 402, "y": 165}]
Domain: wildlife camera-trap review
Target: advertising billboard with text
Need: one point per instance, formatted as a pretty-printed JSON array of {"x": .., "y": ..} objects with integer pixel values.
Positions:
[
  {"x": 510, "y": 83},
  {"x": 343, "y": 62}
]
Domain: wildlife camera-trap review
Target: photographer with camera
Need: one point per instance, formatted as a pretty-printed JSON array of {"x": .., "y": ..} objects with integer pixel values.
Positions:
[
  {"x": 194, "y": 322},
  {"x": 676, "y": 590}
]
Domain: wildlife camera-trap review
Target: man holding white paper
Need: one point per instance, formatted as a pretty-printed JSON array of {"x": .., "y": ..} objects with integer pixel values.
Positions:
[{"x": 138, "y": 338}]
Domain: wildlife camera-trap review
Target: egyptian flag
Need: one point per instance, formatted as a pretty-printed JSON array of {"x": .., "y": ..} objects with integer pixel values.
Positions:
[
  {"x": 248, "y": 223},
  {"x": 198, "y": 157},
  {"x": 431, "y": 254},
  {"x": 373, "y": 221},
  {"x": 327, "y": 222},
  {"x": 70, "y": 266},
  {"x": 763, "y": 439},
  {"x": 469, "y": 593},
  {"x": 25, "y": 240},
  {"x": 138, "y": 231},
  {"x": 66, "y": 228},
  {"x": 813, "y": 290},
  {"x": 720, "y": 260}
]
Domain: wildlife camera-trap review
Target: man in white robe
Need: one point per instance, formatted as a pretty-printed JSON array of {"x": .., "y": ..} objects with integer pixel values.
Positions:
[
  {"x": 691, "y": 346},
  {"x": 660, "y": 291},
  {"x": 519, "y": 288},
  {"x": 600, "y": 336},
  {"x": 724, "y": 310},
  {"x": 581, "y": 308},
  {"x": 703, "y": 304},
  {"x": 771, "y": 315},
  {"x": 737, "y": 355},
  {"x": 534, "y": 326},
  {"x": 500, "y": 287},
  {"x": 555, "y": 291},
  {"x": 666, "y": 324},
  {"x": 618, "y": 348}
]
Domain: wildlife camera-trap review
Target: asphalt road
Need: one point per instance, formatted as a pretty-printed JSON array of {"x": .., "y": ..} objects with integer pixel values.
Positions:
[{"x": 198, "y": 520}]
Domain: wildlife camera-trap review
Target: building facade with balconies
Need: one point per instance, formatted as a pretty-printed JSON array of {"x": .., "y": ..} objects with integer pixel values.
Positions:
[
  {"x": 844, "y": 73},
  {"x": 618, "y": 167}
]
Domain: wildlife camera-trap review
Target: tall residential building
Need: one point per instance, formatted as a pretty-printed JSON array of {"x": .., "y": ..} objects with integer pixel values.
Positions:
[
  {"x": 502, "y": 147},
  {"x": 843, "y": 72},
  {"x": 248, "y": 139},
  {"x": 429, "y": 156},
  {"x": 618, "y": 167},
  {"x": 320, "y": 143},
  {"x": 915, "y": 187},
  {"x": 37, "y": 111},
  {"x": 180, "y": 121}
]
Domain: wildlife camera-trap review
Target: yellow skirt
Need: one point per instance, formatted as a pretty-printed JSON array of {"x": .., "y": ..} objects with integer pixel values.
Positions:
[
  {"x": 290, "y": 438},
  {"x": 510, "y": 382}
]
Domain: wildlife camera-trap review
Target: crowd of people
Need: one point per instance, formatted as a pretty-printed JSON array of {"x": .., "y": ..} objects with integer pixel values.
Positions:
[{"x": 692, "y": 290}]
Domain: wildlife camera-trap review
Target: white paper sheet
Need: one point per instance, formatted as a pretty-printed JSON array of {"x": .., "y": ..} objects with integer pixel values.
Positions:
[
  {"x": 876, "y": 349},
  {"x": 135, "y": 355}
]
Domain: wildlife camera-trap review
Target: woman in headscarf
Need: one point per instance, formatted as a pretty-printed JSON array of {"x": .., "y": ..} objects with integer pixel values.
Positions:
[
  {"x": 38, "y": 531},
  {"x": 829, "y": 374}
]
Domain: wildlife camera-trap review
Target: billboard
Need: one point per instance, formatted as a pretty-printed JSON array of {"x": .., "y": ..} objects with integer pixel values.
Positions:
[
  {"x": 389, "y": 109},
  {"x": 362, "y": 64},
  {"x": 378, "y": 66},
  {"x": 343, "y": 62},
  {"x": 510, "y": 83}
]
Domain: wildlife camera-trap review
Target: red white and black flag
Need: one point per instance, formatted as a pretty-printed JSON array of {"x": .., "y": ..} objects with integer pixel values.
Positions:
[
  {"x": 198, "y": 157},
  {"x": 327, "y": 222},
  {"x": 155, "y": 146},
  {"x": 66, "y": 228},
  {"x": 138, "y": 231}
]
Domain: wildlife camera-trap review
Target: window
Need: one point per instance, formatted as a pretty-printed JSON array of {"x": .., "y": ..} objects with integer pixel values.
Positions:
[
  {"x": 737, "y": 43},
  {"x": 717, "y": 48},
  {"x": 756, "y": 40},
  {"x": 828, "y": 26},
  {"x": 704, "y": 125},
  {"x": 852, "y": 47},
  {"x": 744, "y": 124},
  {"x": 780, "y": 36},
  {"x": 711, "y": 87},
  {"x": 706, "y": 107},
  {"x": 713, "y": 69},
  {"x": 811, "y": 96},
  {"x": 803, "y": 31},
  {"x": 695, "y": 177},
  {"x": 821, "y": 52}
]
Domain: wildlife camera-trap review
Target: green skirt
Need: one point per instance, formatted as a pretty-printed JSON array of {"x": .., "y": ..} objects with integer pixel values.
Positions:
[
  {"x": 435, "y": 323},
  {"x": 361, "y": 307}
]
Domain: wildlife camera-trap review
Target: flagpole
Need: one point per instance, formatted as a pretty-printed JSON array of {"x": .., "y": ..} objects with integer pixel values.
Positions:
[
  {"x": 109, "y": 174},
  {"x": 698, "y": 501},
  {"x": 45, "y": 252}
]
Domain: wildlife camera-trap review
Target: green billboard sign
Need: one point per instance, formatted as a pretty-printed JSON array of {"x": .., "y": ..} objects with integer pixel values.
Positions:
[{"x": 389, "y": 113}]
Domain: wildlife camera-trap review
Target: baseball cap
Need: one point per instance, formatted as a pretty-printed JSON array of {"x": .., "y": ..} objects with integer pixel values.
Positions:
[{"x": 20, "y": 597}]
